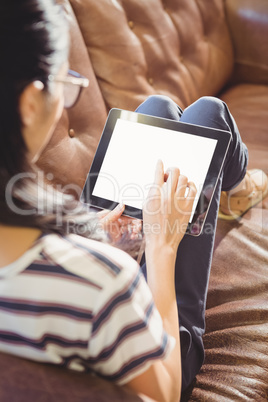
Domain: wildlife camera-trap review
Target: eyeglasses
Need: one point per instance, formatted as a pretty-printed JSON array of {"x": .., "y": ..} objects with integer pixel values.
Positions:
[{"x": 73, "y": 86}]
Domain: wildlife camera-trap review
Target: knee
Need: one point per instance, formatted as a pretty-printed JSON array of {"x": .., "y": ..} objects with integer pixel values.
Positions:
[
  {"x": 211, "y": 103},
  {"x": 160, "y": 106},
  {"x": 210, "y": 112},
  {"x": 159, "y": 101}
]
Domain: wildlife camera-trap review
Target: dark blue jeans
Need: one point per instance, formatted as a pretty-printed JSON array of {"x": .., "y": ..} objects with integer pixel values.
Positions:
[{"x": 195, "y": 253}]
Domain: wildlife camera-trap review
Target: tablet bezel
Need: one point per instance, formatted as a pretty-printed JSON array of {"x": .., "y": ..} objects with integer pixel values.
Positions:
[{"x": 223, "y": 140}]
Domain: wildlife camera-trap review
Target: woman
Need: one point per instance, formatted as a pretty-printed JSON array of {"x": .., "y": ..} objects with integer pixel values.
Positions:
[{"x": 75, "y": 301}]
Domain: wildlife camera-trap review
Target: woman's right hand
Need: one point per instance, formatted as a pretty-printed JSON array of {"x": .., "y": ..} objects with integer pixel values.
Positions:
[
  {"x": 166, "y": 214},
  {"x": 167, "y": 209}
]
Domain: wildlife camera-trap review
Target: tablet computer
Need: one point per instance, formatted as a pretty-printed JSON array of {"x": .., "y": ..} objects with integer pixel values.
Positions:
[{"x": 131, "y": 143}]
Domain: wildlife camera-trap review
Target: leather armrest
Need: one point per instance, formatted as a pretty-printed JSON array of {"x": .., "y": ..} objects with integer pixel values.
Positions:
[
  {"x": 23, "y": 380},
  {"x": 248, "y": 23}
]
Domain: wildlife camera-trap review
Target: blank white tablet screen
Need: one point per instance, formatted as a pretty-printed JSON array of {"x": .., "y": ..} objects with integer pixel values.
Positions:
[{"x": 128, "y": 167}]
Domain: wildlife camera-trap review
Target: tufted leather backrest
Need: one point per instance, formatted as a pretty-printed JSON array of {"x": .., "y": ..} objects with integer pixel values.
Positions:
[
  {"x": 179, "y": 48},
  {"x": 248, "y": 27},
  {"x": 130, "y": 49}
]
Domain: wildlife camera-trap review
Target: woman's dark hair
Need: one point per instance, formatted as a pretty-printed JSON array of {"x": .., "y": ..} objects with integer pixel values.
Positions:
[{"x": 34, "y": 42}]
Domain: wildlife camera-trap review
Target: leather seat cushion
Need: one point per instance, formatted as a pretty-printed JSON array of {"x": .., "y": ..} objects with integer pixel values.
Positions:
[{"x": 236, "y": 339}]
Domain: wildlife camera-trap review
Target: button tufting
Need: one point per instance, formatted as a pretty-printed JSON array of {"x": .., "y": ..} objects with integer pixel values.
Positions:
[
  {"x": 131, "y": 24},
  {"x": 71, "y": 133},
  {"x": 151, "y": 81}
]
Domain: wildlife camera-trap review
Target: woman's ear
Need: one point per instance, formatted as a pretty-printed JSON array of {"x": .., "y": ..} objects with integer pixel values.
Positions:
[{"x": 30, "y": 102}]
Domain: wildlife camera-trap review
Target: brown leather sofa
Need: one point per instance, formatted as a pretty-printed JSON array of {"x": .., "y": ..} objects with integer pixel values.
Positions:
[{"x": 184, "y": 49}]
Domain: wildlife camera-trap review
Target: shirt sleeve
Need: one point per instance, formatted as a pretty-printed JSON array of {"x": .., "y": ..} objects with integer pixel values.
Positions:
[{"x": 127, "y": 330}]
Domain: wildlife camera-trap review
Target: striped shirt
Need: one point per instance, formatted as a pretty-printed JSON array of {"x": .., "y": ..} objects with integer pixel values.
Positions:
[{"x": 81, "y": 304}]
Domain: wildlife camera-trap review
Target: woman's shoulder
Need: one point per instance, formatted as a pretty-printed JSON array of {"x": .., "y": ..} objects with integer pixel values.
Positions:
[{"x": 88, "y": 257}]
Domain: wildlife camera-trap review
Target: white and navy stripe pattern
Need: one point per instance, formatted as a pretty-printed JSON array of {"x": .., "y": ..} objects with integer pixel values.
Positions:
[{"x": 81, "y": 304}]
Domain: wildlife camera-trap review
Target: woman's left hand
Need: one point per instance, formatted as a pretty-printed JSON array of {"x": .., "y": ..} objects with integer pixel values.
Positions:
[{"x": 117, "y": 225}]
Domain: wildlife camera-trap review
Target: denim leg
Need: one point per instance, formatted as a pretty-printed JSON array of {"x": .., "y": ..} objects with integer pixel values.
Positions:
[
  {"x": 195, "y": 253},
  {"x": 160, "y": 106}
]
